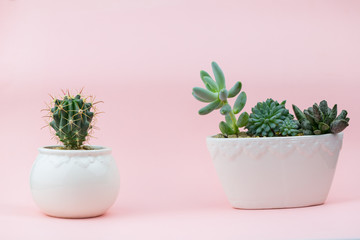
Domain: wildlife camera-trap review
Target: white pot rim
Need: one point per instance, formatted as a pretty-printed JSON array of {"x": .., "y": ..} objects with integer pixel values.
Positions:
[
  {"x": 278, "y": 138},
  {"x": 97, "y": 150}
]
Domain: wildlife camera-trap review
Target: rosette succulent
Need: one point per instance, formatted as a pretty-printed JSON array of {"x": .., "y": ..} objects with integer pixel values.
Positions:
[
  {"x": 290, "y": 127},
  {"x": 320, "y": 119},
  {"x": 216, "y": 95},
  {"x": 269, "y": 119}
]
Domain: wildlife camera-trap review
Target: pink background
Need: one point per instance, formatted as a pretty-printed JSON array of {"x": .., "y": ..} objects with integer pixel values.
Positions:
[{"x": 142, "y": 58}]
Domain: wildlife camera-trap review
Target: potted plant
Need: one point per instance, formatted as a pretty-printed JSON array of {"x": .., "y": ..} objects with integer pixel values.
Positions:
[
  {"x": 276, "y": 161},
  {"x": 74, "y": 180}
]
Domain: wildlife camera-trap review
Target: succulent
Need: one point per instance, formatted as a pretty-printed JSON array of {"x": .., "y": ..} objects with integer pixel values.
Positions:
[
  {"x": 71, "y": 119},
  {"x": 320, "y": 119},
  {"x": 267, "y": 118},
  {"x": 290, "y": 127},
  {"x": 216, "y": 95}
]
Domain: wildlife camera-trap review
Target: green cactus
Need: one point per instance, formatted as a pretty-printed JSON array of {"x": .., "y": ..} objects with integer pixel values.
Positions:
[
  {"x": 267, "y": 118},
  {"x": 290, "y": 127},
  {"x": 217, "y": 97},
  {"x": 71, "y": 120},
  {"x": 320, "y": 119}
]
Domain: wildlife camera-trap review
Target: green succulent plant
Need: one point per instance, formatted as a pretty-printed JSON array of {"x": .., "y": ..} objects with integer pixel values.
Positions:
[
  {"x": 71, "y": 119},
  {"x": 320, "y": 119},
  {"x": 267, "y": 118},
  {"x": 216, "y": 95},
  {"x": 290, "y": 127}
]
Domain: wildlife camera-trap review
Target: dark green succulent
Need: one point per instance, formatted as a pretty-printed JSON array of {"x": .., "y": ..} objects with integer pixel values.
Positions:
[
  {"x": 217, "y": 96},
  {"x": 320, "y": 119},
  {"x": 290, "y": 127},
  {"x": 267, "y": 118}
]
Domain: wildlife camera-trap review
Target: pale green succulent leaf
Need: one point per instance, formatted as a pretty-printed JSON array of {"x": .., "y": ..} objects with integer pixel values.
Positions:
[
  {"x": 225, "y": 128},
  {"x": 212, "y": 85},
  {"x": 219, "y": 75},
  {"x": 234, "y": 90},
  {"x": 228, "y": 120},
  {"x": 199, "y": 98},
  {"x": 205, "y": 94},
  {"x": 243, "y": 119},
  {"x": 225, "y": 109},
  {"x": 209, "y": 108},
  {"x": 240, "y": 102}
]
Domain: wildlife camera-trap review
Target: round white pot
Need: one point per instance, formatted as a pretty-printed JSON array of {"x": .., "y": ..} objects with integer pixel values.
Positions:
[
  {"x": 276, "y": 172},
  {"x": 74, "y": 183}
]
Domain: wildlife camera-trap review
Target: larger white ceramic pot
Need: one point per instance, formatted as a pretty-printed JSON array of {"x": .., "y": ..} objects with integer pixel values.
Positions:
[
  {"x": 74, "y": 183},
  {"x": 276, "y": 172}
]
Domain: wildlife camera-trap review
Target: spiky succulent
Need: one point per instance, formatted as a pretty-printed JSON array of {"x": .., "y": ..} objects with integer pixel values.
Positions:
[
  {"x": 217, "y": 96},
  {"x": 71, "y": 120},
  {"x": 267, "y": 118},
  {"x": 290, "y": 127},
  {"x": 320, "y": 119}
]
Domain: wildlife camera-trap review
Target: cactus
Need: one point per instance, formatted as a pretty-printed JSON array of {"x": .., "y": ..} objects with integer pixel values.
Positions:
[
  {"x": 71, "y": 120},
  {"x": 216, "y": 95},
  {"x": 267, "y": 118},
  {"x": 320, "y": 119}
]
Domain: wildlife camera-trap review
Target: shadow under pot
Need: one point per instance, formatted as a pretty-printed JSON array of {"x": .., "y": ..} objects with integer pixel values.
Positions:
[
  {"x": 74, "y": 183},
  {"x": 276, "y": 172}
]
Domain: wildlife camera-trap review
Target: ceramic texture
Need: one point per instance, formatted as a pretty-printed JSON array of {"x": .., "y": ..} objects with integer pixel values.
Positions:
[
  {"x": 277, "y": 172},
  {"x": 74, "y": 183}
]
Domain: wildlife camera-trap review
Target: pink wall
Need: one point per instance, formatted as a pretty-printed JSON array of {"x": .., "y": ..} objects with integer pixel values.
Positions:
[{"x": 143, "y": 57}]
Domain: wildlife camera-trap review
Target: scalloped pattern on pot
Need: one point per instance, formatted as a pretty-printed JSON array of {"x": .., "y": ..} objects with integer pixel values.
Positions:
[
  {"x": 74, "y": 184},
  {"x": 254, "y": 148},
  {"x": 279, "y": 172}
]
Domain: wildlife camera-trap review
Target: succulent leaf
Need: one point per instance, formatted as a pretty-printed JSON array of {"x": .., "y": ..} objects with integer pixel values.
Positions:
[
  {"x": 317, "y": 132},
  {"x": 317, "y": 114},
  {"x": 211, "y": 84},
  {"x": 209, "y": 108},
  {"x": 202, "y": 75},
  {"x": 323, "y": 127},
  {"x": 342, "y": 115},
  {"x": 234, "y": 90},
  {"x": 243, "y": 119},
  {"x": 309, "y": 117},
  {"x": 220, "y": 105},
  {"x": 332, "y": 115},
  {"x": 199, "y": 98},
  {"x": 338, "y": 126},
  {"x": 240, "y": 102},
  {"x": 219, "y": 75},
  {"x": 324, "y": 107},
  {"x": 225, "y": 109},
  {"x": 205, "y": 94},
  {"x": 228, "y": 120},
  {"x": 225, "y": 128},
  {"x": 298, "y": 113}
]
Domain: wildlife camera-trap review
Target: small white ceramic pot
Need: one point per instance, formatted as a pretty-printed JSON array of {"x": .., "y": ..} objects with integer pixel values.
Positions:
[
  {"x": 74, "y": 183},
  {"x": 276, "y": 172}
]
